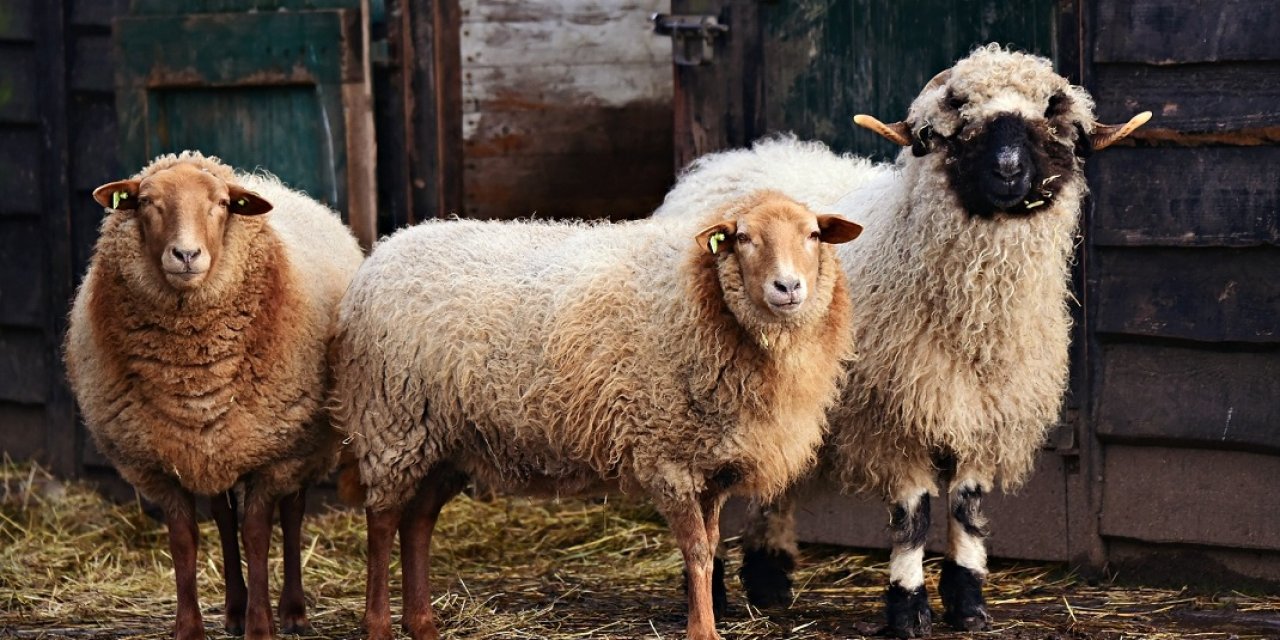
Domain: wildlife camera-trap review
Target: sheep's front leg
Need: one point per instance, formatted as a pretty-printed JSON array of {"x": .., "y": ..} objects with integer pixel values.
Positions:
[
  {"x": 769, "y": 552},
  {"x": 184, "y": 541},
  {"x": 292, "y": 609},
  {"x": 906, "y": 600},
  {"x": 689, "y": 525},
  {"x": 965, "y": 568},
  {"x": 416, "y": 528},
  {"x": 711, "y": 507},
  {"x": 223, "y": 507},
  {"x": 377, "y": 601},
  {"x": 256, "y": 532}
]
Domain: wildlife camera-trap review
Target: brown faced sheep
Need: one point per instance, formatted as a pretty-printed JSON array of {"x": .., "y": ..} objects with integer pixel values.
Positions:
[
  {"x": 196, "y": 350},
  {"x": 960, "y": 291},
  {"x": 562, "y": 358}
]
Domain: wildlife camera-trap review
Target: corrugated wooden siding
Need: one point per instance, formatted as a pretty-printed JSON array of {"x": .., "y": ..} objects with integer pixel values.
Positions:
[
  {"x": 566, "y": 108},
  {"x": 1185, "y": 241}
]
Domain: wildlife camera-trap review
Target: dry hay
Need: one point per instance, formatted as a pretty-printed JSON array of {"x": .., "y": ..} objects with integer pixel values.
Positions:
[{"x": 74, "y": 565}]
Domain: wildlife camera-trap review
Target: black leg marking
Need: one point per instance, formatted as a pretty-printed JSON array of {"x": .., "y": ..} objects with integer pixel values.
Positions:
[
  {"x": 766, "y": 576},
  {"x": 719, "y": 596},
  {"x": 910, "y": 528},
  {"x": 908, "y": 613},
  {"x": 967, "y": 512},
  {"x": 961, "y": 591}
]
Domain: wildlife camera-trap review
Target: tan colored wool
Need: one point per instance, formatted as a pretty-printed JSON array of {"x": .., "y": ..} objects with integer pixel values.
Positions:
[
  {"x": 962, "y": 323},
  {"x": 562, "y": 358},
  {"x": 225, "y": 383}
]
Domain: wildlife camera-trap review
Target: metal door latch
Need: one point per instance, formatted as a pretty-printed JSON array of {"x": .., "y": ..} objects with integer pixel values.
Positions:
[{"x": 692, "y": 37}]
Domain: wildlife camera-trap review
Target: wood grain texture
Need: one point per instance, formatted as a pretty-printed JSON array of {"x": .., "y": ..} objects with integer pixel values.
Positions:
[
  {"x": 1177, "y": 31},
  {"x": 1189, "y": 197},
  {"x": 169, "y": 7},
  {"x": 96, "y": 13},
  {"x": 1207, "y": 295},
  {"x": 18, "y": 83},
  {"x": 635, "y": 130},
  {"x": 92, "y": 65},
  {"x": 1173, "y": 394},
  {"x": 20, "y": 178},
  {"x": 1191, "y": 98},
  {"x": 563, "y": 84},
  {"x": 1219, "y": 498},
  {"x": 23, "y": 365},
  {"x": 620, "y": 37},
  {"x": 23, "y": 271},
  {"x": 573, "y": 11},
  {"x": 566, "y": 186}
]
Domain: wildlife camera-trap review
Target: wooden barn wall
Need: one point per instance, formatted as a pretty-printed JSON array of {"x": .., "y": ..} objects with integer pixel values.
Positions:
[
  {"x": 1183, "y": 295},
  {"x": 566, "y": 108}
]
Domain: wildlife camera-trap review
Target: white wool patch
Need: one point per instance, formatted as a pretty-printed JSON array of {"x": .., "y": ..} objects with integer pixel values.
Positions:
[
  {"x": 967, "y": 550},
  {"x": 906, "y": 567},
  {"x": 1014, "y": 104}
]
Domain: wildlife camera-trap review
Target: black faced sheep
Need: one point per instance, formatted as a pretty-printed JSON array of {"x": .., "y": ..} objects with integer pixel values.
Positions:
[
  {"x": 960, "y": 290},
  {"x": 564, "y": 358},
  {"x": 196, "y": 350}
]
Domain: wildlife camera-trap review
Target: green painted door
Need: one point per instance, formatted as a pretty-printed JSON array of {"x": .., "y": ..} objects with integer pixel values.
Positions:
[{"x": 281, "y": 85}]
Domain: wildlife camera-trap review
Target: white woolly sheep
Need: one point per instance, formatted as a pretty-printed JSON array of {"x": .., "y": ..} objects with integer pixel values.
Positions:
[
  {"x": 960, "y": 288},
  {"x": 564, "y": 358},
  {"x": 196, "y": 350}
]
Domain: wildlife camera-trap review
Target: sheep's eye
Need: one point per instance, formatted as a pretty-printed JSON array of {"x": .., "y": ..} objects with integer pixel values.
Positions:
[
  {"x": 742, "y": 238},
  {"x": 955, "y": 102},
  {"x": 816, "y": 235},
  {"x": 224, "y": 203},
  {"x": 144, "y": 201}
]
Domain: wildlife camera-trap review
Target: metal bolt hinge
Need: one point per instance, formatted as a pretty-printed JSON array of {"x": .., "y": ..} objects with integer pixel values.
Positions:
[{"x": 692, "y": 37}]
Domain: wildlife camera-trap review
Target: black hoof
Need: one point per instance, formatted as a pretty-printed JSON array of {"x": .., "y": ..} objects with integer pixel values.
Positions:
[
  {"x": 908, "y": 613},
  {"x": 961, "y": 591},
  {"x": 233, "y": 628},
  {"x": 766, "y": 576},
  {"x": 719, "y": 596}
]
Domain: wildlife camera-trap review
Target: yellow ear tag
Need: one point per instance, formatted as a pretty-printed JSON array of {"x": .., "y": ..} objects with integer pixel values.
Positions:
[
  {"x": 117, "y": 197},
  {"x": 242, "y": 202},
  {"x": 715, "y": 241}
]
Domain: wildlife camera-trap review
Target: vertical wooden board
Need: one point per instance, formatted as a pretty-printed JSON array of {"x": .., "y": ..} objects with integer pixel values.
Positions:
[
  {"x": 23, "y": 365},
  {"x": 1208, "y": 295},
  {"x": 1191, "y": 98},
  {"x": 16, "y": 22},
  {"x": 22, "y": 430},
  {"x": 1186, "y": 196},
  {"x": 93, "y": 138},
  {"x": 92, "y": 67},
  {"x": 18, "y": 83},
  {"x": 1176, "y": 31},
  {"x": 1192, "y": 496},
  {"x": 1182, "y": 395},
  {"x": 828, "y": 60},
  {"x": 97, "y": 13},
  {"x": 23, "y": 272},
  {"x": 20, "y": 178}
]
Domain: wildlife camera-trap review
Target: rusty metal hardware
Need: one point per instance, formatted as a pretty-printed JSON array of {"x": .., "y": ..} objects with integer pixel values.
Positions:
[{"x": 692, "y": 37}]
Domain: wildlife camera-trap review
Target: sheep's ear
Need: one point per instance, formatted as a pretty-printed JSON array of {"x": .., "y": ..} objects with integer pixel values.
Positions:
[
  {"x": 121, "y": 195},
  {"x": 245, "y": 202},
  {"x": 1105, "y": 135},
  {"x": 837, "y": 230},
  {"x": 717, "y": 236},
  {"x": 898, "y": 133}
]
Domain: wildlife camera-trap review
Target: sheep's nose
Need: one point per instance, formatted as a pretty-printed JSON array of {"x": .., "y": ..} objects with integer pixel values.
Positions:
[
  {"x": 1010, "y": 164},
  {"x": 186, "y": 255},
  {"x": 788, "y": 285}
]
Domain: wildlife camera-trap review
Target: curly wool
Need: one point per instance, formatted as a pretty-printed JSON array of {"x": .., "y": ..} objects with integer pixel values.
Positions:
[
  {"x": 225, "y": 383},
  {"x": 962, "y": 323},
  {"x": 563, "y": 358}
]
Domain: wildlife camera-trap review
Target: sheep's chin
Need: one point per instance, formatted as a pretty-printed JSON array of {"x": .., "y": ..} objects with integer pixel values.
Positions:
[
  {"x": 785, "y": 311},
  {"x": 185, "y": 280}
]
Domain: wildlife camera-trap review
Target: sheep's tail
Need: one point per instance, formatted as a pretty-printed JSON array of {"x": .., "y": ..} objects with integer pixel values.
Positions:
[{"x": 351, "y": 491}]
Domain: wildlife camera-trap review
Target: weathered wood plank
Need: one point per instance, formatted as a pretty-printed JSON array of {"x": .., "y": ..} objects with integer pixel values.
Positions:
[
  {"x": 22, "y": 433},
  {"x": 602, "y": 185},
  {"x": 96, "y": 13},
  {"x": 93, "y": 140},
  {"x": 19, "y": 176},
  {"x": 1191, "y": 98},
  {"x": 531, "y": 44},
  {"x": 22, "y": 272},
  {"x": 637, "y": 130},
  {"x": 1189, "y": 196},
  {"x": 23, "y": 366},
  {"x": 92, "y": 67},
  {"x": 1209, "y": 295},
  {"x": 1176, "y": 31},
  {"x": 16, "y": 21},
  {"x": 168, "y": 7},
  {"x": 1182, "y": 395},
  {"x": 589, "y": 85},
  {"x": 577, "y": 11},
  {"x": 1192, "y": 496},
  {"x": 18, "y": 84}
]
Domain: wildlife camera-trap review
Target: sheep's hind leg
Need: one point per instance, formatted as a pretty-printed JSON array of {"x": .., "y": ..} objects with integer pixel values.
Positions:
[
  {"x": 292, "y": 609},
  {"x": 769, "y": 552},
  {"x": 377, "y": 600},
  {"x": 964, "y": 570},
  {"x": 906, "y": 600},
  {"x": 416, "y": 527},
  {"x": 184, "y": 540},
  {"x": 223, "y": 507}
]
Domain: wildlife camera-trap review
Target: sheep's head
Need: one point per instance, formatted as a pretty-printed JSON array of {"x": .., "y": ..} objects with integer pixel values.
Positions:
[
  {"x": 777, "y": 244},
  {"x": 182, "y": 214},
  {"x": 1013, "y": 133}
]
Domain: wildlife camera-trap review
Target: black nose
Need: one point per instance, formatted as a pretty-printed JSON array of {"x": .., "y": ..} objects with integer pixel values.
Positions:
[
  {"x": 791, "y": 285},
  {"x": 186, "y": 256},
  {"x": 1010, "y": 164}
]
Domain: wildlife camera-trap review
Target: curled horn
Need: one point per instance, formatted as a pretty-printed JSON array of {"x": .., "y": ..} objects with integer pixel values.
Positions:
[
  {"x": 899, "y": 133},
  {"x": 1104, "y": 135}
]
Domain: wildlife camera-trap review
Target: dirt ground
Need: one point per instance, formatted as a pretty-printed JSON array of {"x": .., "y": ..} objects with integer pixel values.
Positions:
[{"x": 75, "y": 566}]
